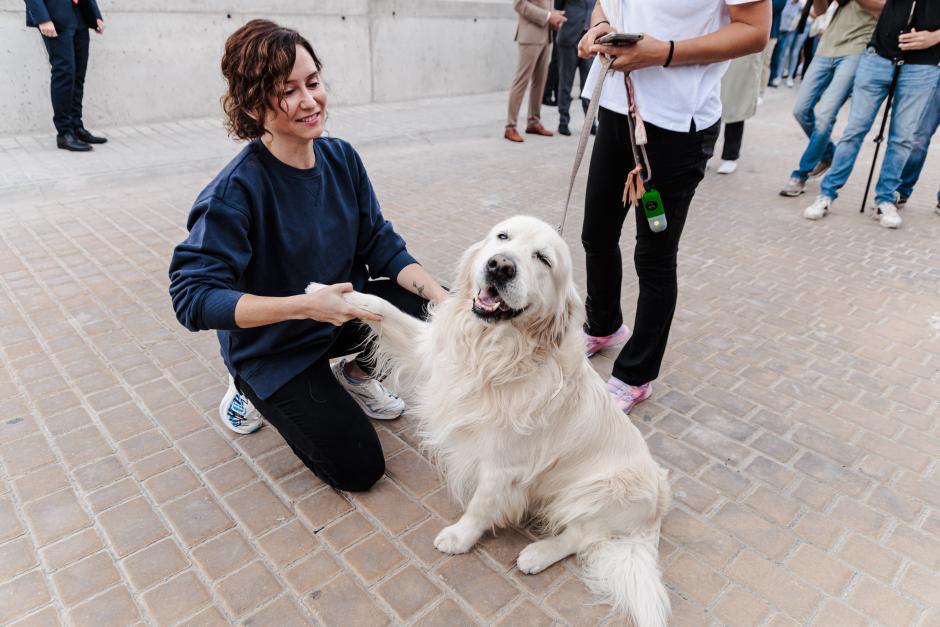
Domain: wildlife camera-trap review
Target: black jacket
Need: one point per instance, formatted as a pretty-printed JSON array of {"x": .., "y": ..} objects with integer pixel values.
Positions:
[{"x": 61, "y": 13}]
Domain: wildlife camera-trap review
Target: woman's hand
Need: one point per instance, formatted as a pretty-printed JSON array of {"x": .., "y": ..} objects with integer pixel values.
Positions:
[
  {"x": 584, "y": 46},
  {"x": 918, "y": 39},
  {"x": 328, "y": 305},
  {"x": 48, "y": 29},
  {"x": 647, "y": 52}
]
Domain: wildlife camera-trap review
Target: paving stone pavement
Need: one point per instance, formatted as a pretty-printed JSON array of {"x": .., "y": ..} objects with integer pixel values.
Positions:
[{"x": 798, "y": 409}]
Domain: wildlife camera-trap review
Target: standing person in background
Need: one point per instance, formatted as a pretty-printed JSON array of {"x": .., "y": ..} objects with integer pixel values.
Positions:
[
  {"x": 922, "y": 136},
  {"x": 788, "y": 22},
  {"x": 578, "y": 14},
  {"x": 828, "y": 84},
  {"x": 791, "y": 55},
  {"x": 916, "y": 85},
  {"x": 676, "y": 71},
  {"x": 536, "y": 21},
  {"x": 771, "y": 47},
  {"x": 550, "y": 94},
  {"x": 740, "y": 89},
  {"x": 64, "y": 26}
]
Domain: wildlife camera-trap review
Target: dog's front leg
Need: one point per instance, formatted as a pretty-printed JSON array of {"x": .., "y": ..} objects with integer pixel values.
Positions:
[
  {"x": 397, "y": 332},
  {"x": 496, "y": 496}
]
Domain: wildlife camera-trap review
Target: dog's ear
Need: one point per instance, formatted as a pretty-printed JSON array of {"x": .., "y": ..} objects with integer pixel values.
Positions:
[
  {"x": 567, "y": 318},
  {"x": 571, "y": 317},
  {"x": 465, "y": 270}
]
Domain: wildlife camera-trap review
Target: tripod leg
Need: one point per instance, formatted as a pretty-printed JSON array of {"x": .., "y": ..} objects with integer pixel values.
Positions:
[{"x": 881, "y": 132}]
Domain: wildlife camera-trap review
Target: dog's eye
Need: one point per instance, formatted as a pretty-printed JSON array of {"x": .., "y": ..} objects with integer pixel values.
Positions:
[
  {"x": 541, "y": 257},
  {"x": 503, "y": 236}
]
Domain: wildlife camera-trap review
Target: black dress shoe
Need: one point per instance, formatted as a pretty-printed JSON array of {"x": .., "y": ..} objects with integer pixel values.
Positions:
[
  {"x": 68, "y": 141},
  {"x": 563, "y": 129},
  {"x": 85, "y": 136}
]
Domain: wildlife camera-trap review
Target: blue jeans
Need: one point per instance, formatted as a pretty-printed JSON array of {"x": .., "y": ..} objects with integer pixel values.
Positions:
[
  {"x": 925, "y": 130},
  {"x": 828, "y": 83},
  {"x": 788, "y": 51},
  {"x": 783, "y": 44},
  {"x": 916, "y": 85},
  {"x": 792, "y": 58}
]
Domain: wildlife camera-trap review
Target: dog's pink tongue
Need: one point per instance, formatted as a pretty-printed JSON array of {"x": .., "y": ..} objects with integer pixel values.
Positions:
[{"x": 486, "y": 298}]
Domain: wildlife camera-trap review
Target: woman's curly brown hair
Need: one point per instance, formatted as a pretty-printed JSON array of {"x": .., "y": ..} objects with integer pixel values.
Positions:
[{"x": 258, "y": 60}]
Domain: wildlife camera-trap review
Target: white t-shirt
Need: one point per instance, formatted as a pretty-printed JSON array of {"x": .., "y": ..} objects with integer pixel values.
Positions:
[{"x": 670, "y": 97}]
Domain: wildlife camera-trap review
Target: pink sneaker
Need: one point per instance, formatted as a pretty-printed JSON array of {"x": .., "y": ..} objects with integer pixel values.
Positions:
[
  {"x": 627, "y": 396},
  {"x": 594, "y": 343}
]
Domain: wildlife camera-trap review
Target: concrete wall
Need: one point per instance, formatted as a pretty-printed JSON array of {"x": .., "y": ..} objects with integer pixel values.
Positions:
[{"x": 159, "y": 59}]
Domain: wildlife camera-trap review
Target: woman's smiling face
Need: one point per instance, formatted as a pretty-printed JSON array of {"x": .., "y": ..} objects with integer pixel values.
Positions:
[{"x": 301, "y": 113}]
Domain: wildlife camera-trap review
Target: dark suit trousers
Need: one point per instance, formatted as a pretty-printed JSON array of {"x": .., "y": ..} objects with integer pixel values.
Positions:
[
  {"x": 568, "y": 62},
  {"x": 678, "y": 164},
  {"x": 68, "y": 56}
]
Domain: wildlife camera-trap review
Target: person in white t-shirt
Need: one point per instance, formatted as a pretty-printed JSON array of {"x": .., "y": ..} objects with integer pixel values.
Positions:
[{"x": 676, "y": 69}]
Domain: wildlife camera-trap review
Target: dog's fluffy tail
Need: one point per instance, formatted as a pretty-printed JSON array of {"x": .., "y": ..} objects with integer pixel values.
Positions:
[{"x": 625, "y": 573}]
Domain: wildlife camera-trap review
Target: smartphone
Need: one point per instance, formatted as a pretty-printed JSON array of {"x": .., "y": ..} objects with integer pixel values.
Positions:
[{"x": 618, "y": 39}]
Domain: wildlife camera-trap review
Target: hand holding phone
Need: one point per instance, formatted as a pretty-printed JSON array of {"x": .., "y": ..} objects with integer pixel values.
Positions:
[{"x": 618, "y": 39}]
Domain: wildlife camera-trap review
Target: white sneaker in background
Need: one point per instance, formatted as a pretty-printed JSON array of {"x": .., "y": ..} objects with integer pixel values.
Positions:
[
  {"x": 727, "y": 167},
  {"x": 819, "y": 208},
  {"x": 237, "y": 412},
  {"x": 888, "y": 215},
  {"x": 376, "y": 401},
  {"x": 790, "y": 82}
]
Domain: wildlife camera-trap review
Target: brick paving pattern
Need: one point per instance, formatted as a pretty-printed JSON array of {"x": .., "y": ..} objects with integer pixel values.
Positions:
[{"x": 798, "y": 409}]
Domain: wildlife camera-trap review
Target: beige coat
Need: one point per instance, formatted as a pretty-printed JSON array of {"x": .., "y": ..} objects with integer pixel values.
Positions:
[
  {"x": 533, "y": 25},
  {"x": 740, "y": 88}
]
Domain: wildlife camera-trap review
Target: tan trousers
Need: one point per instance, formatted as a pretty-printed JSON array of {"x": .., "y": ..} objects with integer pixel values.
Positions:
[
  {"x": 765, "y": 64},
  {"x": 532, "y": 67}
]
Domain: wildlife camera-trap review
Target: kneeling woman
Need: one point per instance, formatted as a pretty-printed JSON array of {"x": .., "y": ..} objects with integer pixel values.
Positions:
[{"x": 293, "y": 208}]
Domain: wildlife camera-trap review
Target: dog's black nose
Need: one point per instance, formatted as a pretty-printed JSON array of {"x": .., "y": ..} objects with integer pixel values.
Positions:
[{"x": 500, "y": 268}]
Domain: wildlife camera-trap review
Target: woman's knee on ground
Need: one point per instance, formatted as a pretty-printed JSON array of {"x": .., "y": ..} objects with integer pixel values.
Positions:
[{"x": 359, "y": 474}]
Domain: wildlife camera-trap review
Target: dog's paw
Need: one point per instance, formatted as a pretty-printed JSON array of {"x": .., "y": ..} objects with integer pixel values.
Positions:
[
  {"x": 454, "y": 540},
  {"x": 536, "y": 557},
  {"x": 314, "y": 287},
  {"x": 365, "y": 301}
]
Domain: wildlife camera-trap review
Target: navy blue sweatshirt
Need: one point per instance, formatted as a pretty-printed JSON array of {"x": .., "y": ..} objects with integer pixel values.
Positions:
[{"x": 263, "y": 227}]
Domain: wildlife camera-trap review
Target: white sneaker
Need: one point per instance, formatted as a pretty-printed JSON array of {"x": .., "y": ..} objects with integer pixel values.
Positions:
[
  {"x": 376, "y": 401},
  {"x": 727, "y": 167},
  {"x": 775, "y": 82},
  {"x": 888, "y": 215},
  {"x": 790, "y": 82},
  {"x": 819, "y": 208},
  {"x": 237, "y": 412}
]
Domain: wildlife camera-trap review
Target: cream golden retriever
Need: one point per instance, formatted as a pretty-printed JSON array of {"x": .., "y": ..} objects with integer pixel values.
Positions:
[{"x": 520, "y": 423}]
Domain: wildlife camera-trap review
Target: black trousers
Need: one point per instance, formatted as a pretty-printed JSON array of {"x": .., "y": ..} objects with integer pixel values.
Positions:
[
  {"x": 551, "y": 81},
  {"x": 68, "y": 56},
  {"x": 734, "y": 135},
  {"x": 568, "y": 62},
  {"x": 678, "y": 164},
  {"x": 324, "y": 427}
]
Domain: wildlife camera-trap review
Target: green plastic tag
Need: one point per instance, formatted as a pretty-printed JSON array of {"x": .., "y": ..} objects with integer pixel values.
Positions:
[{"x": 654, "y": 210}]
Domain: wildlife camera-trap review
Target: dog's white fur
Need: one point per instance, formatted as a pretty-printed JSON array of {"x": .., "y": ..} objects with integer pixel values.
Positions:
[{"x": 522, "y": 426}]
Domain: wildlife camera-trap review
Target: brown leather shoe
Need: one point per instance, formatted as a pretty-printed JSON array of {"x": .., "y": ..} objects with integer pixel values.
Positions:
[
  {"x": 821, "y": 168},
  {"x": 538, "y": 129},
  {"x": 512, "y": 134}
]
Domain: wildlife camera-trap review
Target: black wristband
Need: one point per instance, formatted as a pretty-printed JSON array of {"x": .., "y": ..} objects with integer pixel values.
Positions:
[
  {"x": 672, "y": 49},
  {"x": 601, "y": 22}
]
